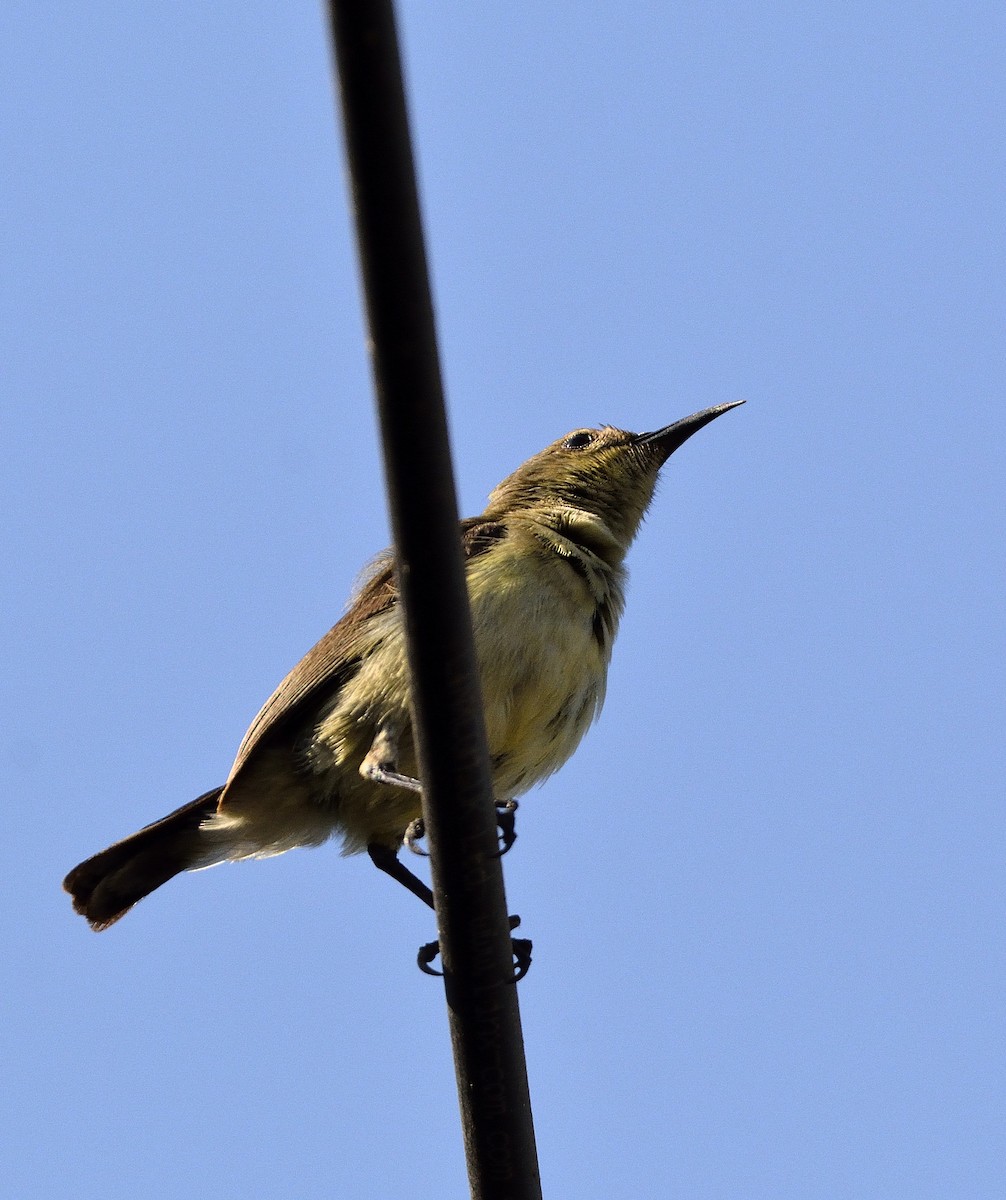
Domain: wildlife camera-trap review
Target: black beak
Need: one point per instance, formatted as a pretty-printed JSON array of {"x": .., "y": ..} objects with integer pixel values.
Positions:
[{"x": 668, "y": 439}]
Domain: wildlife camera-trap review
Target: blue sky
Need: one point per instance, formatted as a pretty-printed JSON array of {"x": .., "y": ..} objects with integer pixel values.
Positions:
[{"x": 766, "y": 895}]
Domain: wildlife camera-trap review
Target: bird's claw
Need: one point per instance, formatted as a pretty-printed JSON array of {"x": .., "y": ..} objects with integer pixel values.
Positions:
[
  {"x": 506, "y": 823},
  {"x": 414, "y": 834},
  {"x": 426, "y": 955},
  {"x": 521, "y": 948}
]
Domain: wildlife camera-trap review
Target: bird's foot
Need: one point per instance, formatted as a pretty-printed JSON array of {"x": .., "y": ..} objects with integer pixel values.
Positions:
[
  {"x": 414, "y": 834},
  {"x": 521, "y": 948},
  {"x": 506, "y": 823}
]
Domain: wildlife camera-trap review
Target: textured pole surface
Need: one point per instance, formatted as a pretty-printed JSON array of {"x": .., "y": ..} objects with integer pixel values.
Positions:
[{"x": 447, "y": 703}]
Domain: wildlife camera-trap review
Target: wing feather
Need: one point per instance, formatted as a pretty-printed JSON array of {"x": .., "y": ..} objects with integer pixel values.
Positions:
[
  {"x": 335, "y": 659},
  {"x": 326, "y": 667}
]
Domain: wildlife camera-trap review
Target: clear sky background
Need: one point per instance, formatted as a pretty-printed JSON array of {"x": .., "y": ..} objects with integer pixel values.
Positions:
[{"x": 767, "y": 894}]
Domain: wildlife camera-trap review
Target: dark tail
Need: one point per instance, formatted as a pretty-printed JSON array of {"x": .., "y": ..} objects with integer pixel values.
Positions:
[{"x": 106, "y": 887}]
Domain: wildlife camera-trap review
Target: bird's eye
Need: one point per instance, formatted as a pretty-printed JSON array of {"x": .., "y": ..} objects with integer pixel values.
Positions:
[{"x": 577, "y": 441}]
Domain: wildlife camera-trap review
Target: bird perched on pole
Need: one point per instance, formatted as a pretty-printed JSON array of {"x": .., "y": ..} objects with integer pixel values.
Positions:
[{"x": 331, "y": 753}]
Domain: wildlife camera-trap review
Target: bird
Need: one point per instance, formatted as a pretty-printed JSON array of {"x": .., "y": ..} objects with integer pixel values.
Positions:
[{"x": 331, "y": 753}]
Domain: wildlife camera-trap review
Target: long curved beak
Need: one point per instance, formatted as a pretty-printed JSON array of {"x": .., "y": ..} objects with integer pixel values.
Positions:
[{"x": 668, "y": 439}]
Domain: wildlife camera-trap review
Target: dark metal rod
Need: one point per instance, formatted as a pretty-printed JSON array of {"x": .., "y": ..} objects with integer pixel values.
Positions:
[{"x": 447, "y": 704}]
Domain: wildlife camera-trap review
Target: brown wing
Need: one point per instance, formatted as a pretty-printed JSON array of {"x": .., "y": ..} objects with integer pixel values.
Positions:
[
  {"x": 333, "y": 661},
  {"x": 326, "y": 667}
]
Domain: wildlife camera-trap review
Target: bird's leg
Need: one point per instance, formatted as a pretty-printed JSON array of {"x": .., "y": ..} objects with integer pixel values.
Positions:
[
  {"x": 379, "y": 767},
  {"x": 382, "y": 759},
  {"x": 386, "y": 860}
]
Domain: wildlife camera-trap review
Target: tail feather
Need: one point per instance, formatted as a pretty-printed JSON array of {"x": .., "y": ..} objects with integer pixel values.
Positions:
[{"x": 106, "y": 887}]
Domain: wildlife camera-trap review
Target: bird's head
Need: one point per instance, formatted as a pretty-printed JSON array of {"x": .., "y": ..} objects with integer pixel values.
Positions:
[{"x": 606, "y": 475}]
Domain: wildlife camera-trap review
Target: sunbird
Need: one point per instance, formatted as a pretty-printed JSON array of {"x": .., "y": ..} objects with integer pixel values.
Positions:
[{"x": 331, "y": 752}]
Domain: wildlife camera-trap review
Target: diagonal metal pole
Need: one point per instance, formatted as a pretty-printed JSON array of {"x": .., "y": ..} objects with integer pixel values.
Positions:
[{"x": 447, "y": 705}]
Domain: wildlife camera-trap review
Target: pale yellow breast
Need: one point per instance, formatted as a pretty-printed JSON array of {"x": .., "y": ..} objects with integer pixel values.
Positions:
[{"x": 543, "y": 670}]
